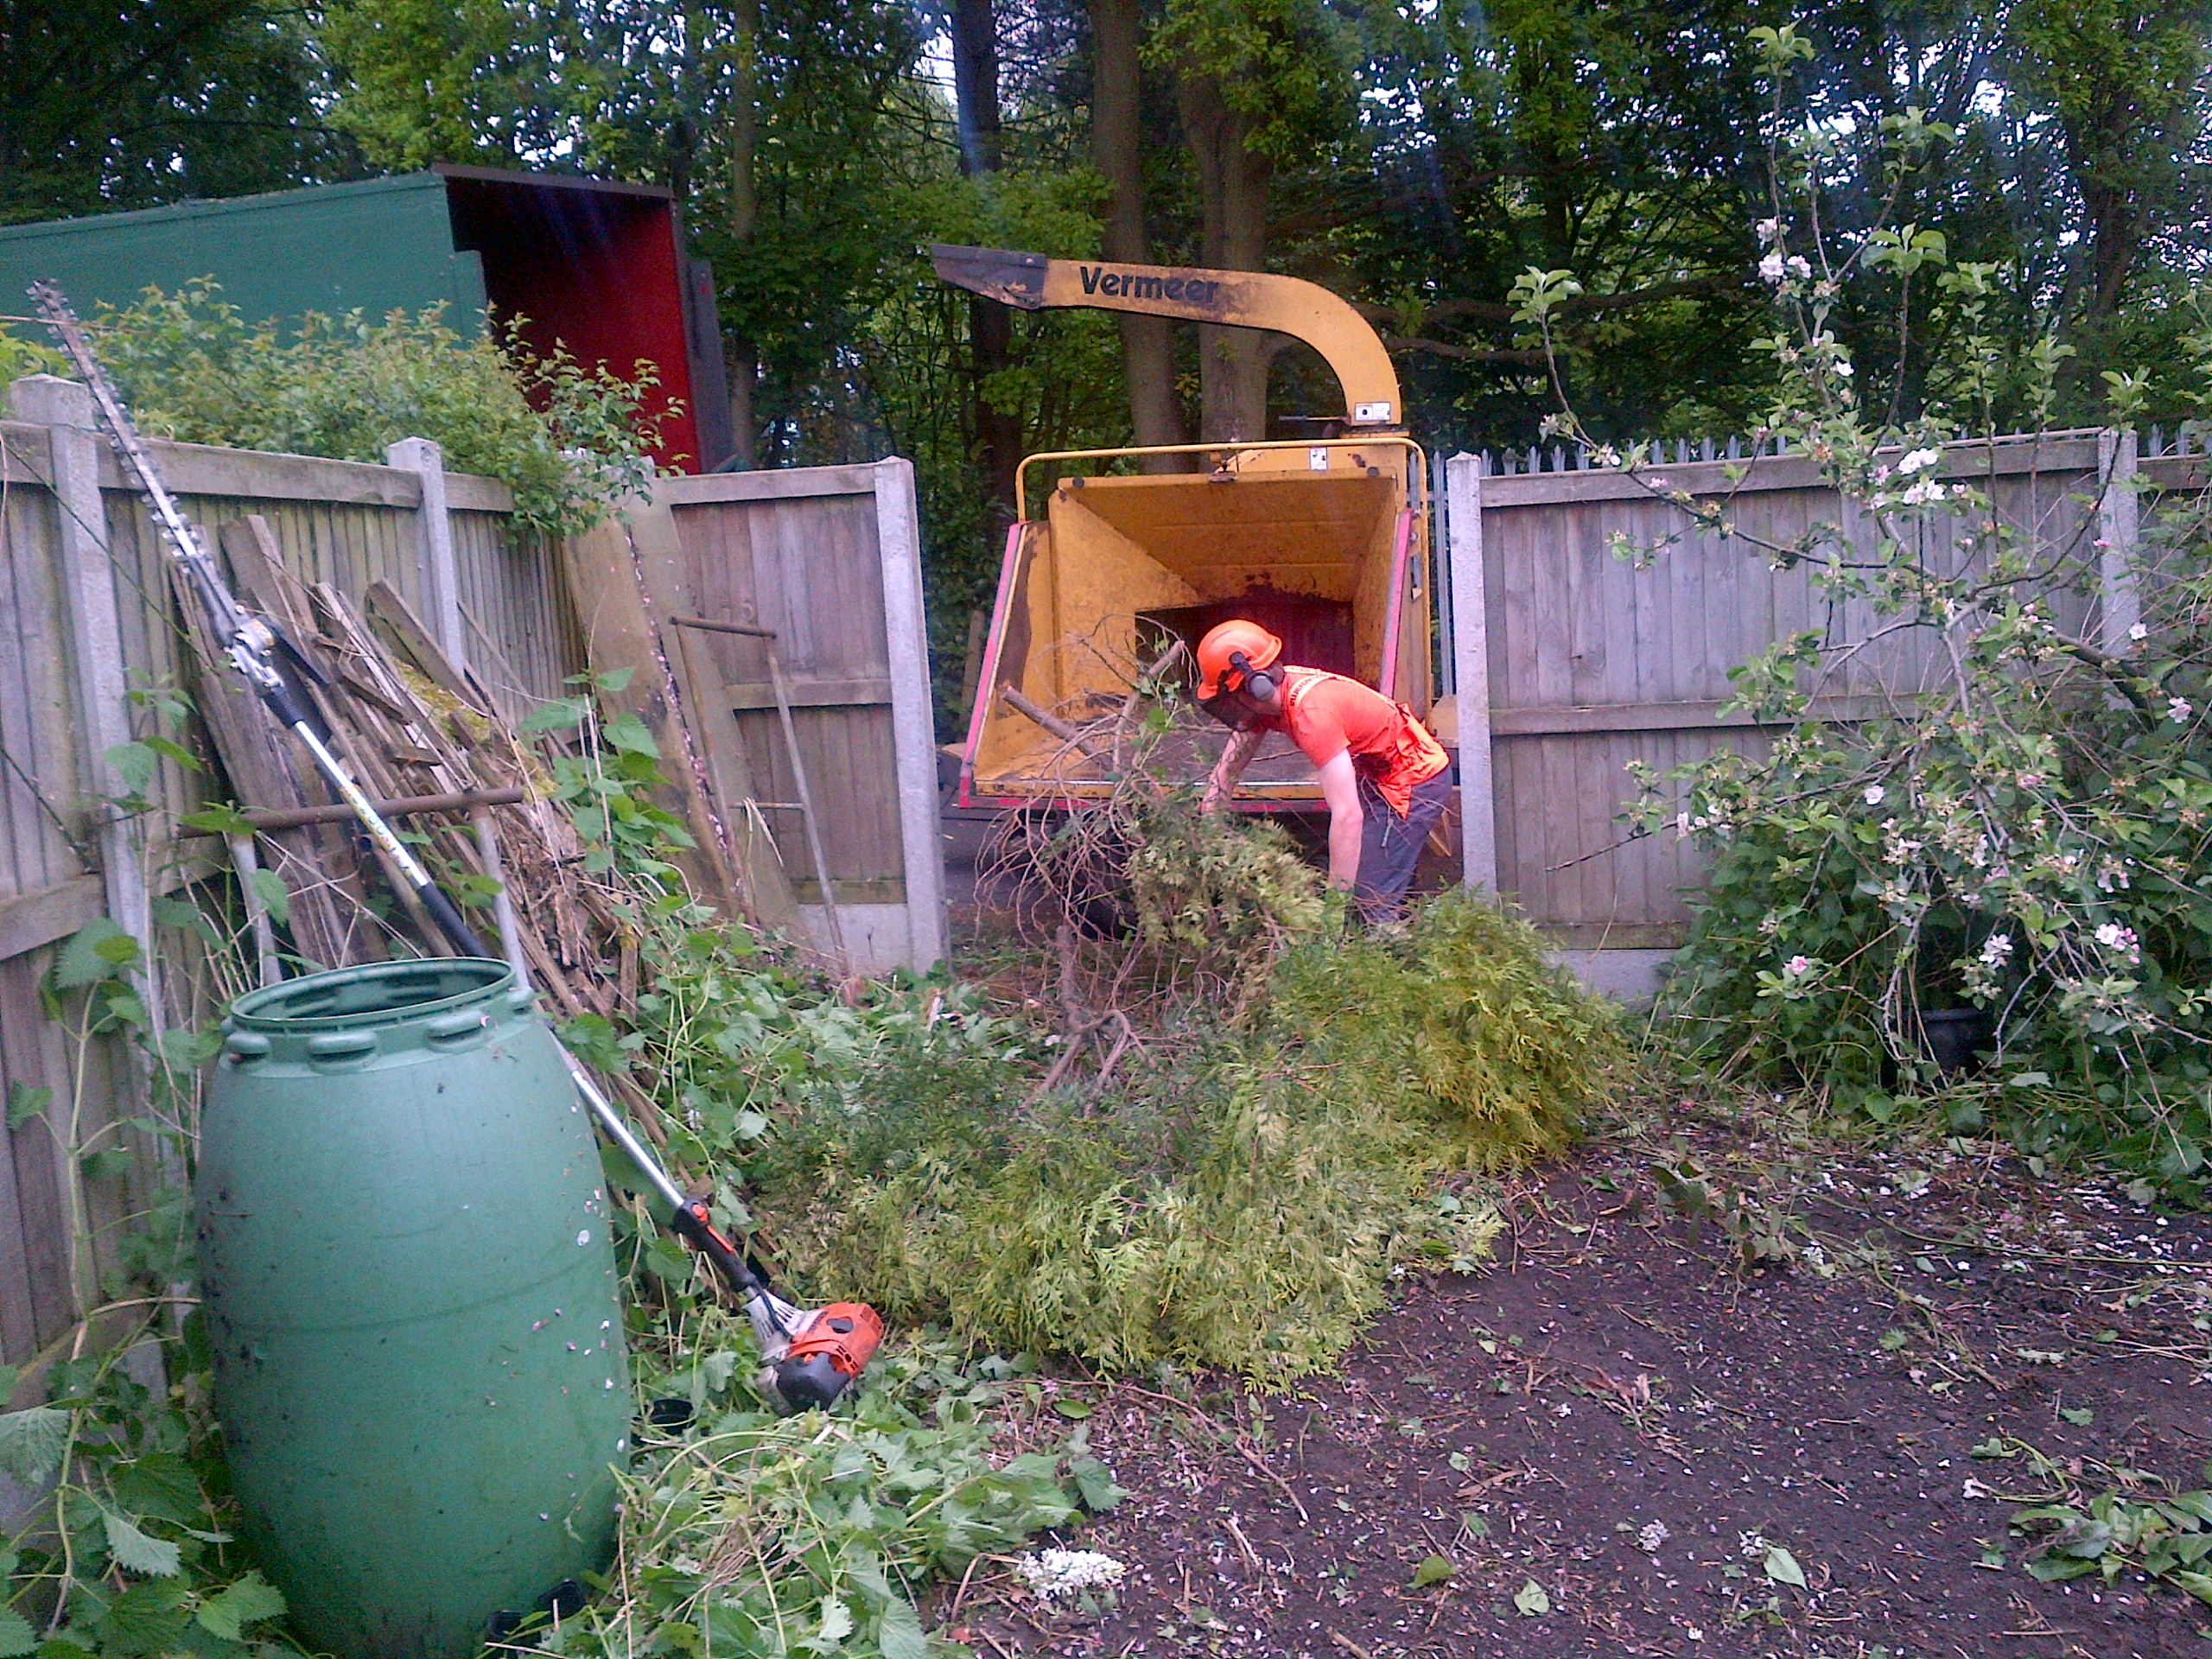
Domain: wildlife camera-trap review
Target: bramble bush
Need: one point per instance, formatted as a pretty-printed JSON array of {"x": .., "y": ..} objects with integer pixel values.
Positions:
[{"x": 2024, "y": 832}]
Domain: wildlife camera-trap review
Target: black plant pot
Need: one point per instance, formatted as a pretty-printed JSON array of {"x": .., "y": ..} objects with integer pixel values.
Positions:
[{"x": 1956, "y": 1038}]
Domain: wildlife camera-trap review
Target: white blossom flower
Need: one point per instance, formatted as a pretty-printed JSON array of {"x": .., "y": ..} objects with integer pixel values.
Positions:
[
  {"x": 1797, "y": 967},
  {"x": 1924, "y": 493},
  {"x": 1053, "y": 1573},
  {"x": 1920, "y": 461},
  {"x": 1997, "y": 949},
  {"x": 2137, "y": 632},
  {"x": 2114, "y": 937},
  {"x": 2178, "y": 711},
  {"x": 1769, "y": 229},
  {"x": 1750, "y": 1545},
  {"x": 1652, "y": 1537},
  {"x": 1842, "y": 367},
  {"x": 1800, "y": 266},
  {"x": 1772, "y": 268},
  {"x": 1874, "y": 792}
]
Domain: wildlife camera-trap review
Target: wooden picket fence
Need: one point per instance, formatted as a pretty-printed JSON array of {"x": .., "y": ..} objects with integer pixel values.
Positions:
[{"x": 1569, "y": 663}]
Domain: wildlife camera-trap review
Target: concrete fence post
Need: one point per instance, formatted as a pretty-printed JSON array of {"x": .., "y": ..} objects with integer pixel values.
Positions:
[
  {"x": 1470, "y": 672},
  {"x": 440, "y": 581},
  {"x": 912, "y": 721},
  {"x": 2121, "y": 603},
  {"x": 87, "y": 583},
  {"x": 87, "y": 588}
]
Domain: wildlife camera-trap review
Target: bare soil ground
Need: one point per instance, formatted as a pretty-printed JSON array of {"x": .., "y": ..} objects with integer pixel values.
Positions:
[{"x": 1618, "y": 1420}]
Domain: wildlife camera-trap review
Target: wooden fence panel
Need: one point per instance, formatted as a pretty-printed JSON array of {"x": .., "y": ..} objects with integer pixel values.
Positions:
[
  {"x": 340, "y": 521},
  {"x": 808, "y": 553},
  {"x": 523, "y": 641},
  {"x": 39, "y": 784},
  {"x": 1594, "y": 663}
]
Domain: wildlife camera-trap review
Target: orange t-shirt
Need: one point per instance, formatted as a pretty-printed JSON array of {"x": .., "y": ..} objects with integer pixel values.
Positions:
[{"x": 1327, "y": 714}]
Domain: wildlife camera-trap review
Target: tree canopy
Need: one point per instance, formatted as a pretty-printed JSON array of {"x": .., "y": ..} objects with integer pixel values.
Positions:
[{"x": 1417, "y": 158}]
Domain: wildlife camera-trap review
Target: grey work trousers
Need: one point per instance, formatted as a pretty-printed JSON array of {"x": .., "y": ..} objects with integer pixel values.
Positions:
[{"x": 1390, "y": 846}]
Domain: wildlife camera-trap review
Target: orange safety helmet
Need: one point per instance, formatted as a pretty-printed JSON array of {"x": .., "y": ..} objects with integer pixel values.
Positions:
[{"x": 1218, "y": 670}]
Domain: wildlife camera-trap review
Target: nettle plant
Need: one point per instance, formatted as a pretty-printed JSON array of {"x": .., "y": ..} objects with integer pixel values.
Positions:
[{"x": 2024, "y": 833}]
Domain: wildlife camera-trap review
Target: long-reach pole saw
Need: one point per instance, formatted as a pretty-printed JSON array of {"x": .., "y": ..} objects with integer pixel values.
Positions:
[{"x": 812, "y": 1355}]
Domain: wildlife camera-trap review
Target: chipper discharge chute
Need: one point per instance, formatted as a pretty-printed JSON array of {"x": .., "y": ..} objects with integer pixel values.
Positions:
[{"x": 1324, "y": 541}]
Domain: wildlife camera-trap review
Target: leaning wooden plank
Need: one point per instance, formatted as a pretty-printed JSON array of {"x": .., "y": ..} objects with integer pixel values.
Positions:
[
  {"x": 604, "y": 570},
  {"x": 760, "y": 865}
]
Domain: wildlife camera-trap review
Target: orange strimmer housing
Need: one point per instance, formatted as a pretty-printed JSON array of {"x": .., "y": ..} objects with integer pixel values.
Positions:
[{"x": 827, "y": 1353}]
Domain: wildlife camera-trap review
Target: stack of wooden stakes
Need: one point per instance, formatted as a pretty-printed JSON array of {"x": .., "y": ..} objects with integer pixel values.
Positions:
[{"x": 435, "y": 749}]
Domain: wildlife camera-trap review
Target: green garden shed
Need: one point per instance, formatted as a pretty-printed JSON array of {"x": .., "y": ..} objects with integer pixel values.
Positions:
[{"x": 599, "y": 267}]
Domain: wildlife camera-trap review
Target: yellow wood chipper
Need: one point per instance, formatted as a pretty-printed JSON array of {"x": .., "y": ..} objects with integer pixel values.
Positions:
[{"x": 1324, "y": 541}]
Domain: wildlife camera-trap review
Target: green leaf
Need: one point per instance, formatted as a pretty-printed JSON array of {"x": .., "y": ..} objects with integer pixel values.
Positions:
[
  {"x": 614, "y": 680},
  {"x": 146, "y": 1618},
  {"x": 160, "y": 1484},
  {"x": 627, "y": 733},
  {"x": 175, "y": 751},
  {"x": 836, "y": 1622},
  {"x": 221, "y": 819},
  {"x": 1094, "y": 1485},
  {"x": 16, "y": 1637},
  {"x": 900, "y": 1634},
  {"x": 2078, "y": 1414},
  {"x": 134, "y": 764},
  {"x": 1474, "y": 1523},
  {"x": 25, "y": 1103},
  {"x": 90, "y": 954},
  {"x": 1782, "y": 1566},
  {"x": 137, "y": 1552},
  {"x": 230, "y": 1610},
  {"x": 1074, "y": 1410},
  {"x": 562, "y": 715},
  {"x": 1532, "y": 1600},
  {"x": 1434, "y": 1569},
  {"x": 32, "y": 1442},
  {"x": 275, "y": 897}
]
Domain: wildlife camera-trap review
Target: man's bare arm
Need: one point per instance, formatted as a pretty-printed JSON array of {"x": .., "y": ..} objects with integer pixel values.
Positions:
[
  {"x": 1340, "y": 789},
  {"x": 1235, "y": 755}
]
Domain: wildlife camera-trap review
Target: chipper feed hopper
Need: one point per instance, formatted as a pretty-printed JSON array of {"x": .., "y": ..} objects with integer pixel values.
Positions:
[{"x": 1323, "y": 540}]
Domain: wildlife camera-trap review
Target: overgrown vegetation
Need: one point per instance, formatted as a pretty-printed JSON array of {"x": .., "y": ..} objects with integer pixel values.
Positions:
[
  {"x": 569, "y": 440},
  {"x": 2012, "y": 846}
]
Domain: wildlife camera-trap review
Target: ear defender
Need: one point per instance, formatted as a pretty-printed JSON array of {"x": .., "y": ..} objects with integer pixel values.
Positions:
[{"x": 1258, "y": 684}]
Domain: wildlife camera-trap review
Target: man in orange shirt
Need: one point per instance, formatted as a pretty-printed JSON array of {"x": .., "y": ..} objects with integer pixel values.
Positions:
[{"x": 1385, "y": 779}]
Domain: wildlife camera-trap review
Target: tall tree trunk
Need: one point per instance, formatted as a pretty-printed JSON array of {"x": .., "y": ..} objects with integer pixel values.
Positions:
[
  {"x": 743, "y": 357},
  {"x": 1233, "y": 192},
  {"x": 1148, "y": 344},
  {"x": 990, "y": 326}
]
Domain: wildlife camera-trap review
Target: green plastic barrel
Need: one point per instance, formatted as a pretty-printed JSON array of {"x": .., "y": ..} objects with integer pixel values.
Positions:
[{"x": 411, "y": 1298}]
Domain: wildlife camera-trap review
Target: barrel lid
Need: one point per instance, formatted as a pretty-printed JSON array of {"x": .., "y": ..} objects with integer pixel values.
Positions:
[{"x": 374, "y": 993}]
